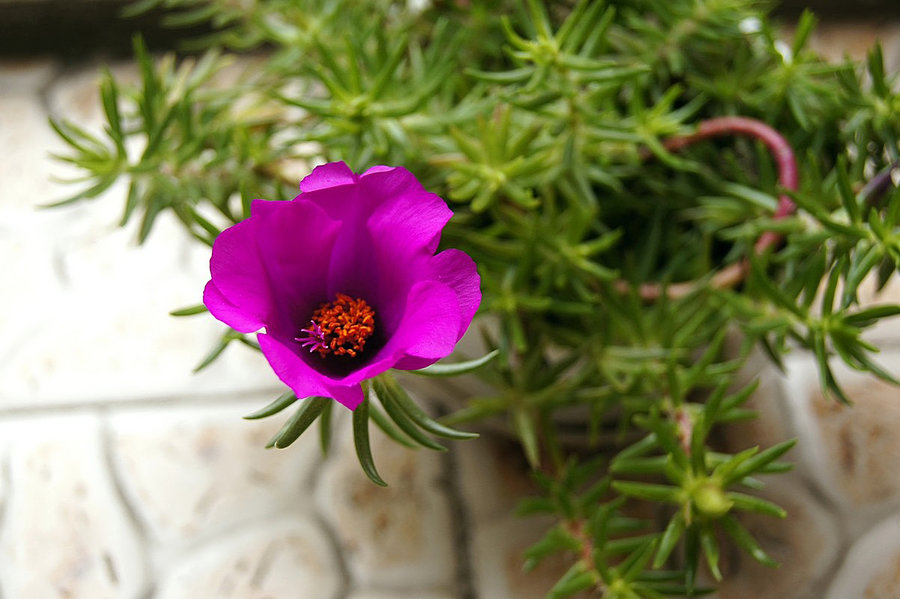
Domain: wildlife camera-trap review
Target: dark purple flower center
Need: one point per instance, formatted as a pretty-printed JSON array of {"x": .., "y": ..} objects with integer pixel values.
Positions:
[{"x": 339, "y": 328}]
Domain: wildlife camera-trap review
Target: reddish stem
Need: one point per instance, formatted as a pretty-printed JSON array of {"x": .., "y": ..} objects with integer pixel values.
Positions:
[
  {"x": 778, "y": 146},
  {"x": 787, "y": 178},
  {"x": 578, "y": 529}
]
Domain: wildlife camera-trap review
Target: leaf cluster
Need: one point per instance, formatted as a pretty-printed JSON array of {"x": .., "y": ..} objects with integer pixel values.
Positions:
[{"x": 399, "y": 417}]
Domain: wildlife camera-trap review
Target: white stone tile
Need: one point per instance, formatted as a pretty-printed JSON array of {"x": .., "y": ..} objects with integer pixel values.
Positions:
[
  {"x": 25, "y": 75},
  {"x": 101, "y": 328},
  {"x": 836, "y": 39},
  {"x": 402, "y": 594},
  {"x": 493, "y": 477},
  {"x": 497, "y": 549},
  {"x": 4, "y": 486},
  {"x": 283, "y": 558},
  {"x": 772, "y": 423},
  {"x": 190, "y": 473},
  {"x": 86, "y": 317},
  {"x": 75, "y": 95},
  {"x": 66, "y": 533},
  {"x": 890, "y": 39},
  {"x": 886, "y": 333},
  {"x": 871, "y": 568},
  {"x": 30, "y": 288},
  {"x": 849, "y": 451},
  {"x": 400, "y": 533},
  {"x": 26, "y": 140},
  {"x": 806, "y": 545}
]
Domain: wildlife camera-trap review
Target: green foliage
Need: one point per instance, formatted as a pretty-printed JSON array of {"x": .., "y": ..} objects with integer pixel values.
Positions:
[{"x": 555, "y": 130}]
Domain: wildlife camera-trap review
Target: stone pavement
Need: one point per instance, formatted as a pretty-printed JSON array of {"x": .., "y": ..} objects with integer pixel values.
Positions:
[{"x": 124, "y": 475}]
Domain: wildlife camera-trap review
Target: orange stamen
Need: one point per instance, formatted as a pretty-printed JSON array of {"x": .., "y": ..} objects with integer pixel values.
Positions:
[{"x": 341, "y": 327}]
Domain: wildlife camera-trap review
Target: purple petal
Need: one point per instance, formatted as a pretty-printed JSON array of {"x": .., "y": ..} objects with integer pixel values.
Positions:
[
  {"x": 290, "y": 368},
  {"x": 351, "y": 268},
  {"x": 341, "y": 202},
  {"x": 227, "y": 312},
  {"x": 457, "y": 270},
  {"x": 328, "y": 175},
  {"x": 302, "y": 378},
  {"x": 414, "y": 363},
  {"x": 350, "y": 396},
  {"x": 295, "y": 243},
  {"x": 238, "y": 275},
  {"x": 388, "y": 219},
  {"x": 404, "y": 230},
  {"x": 378, "y": 168},
  {"x": 429, "y": 327},
  {"x": 427, "y": 330},
  {"x": 405, "y": 214},
  {"x": 272, "y": 267}
]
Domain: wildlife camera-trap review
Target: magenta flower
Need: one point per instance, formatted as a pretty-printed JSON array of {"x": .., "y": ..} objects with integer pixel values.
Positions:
[{"x": 345, "y": 280}]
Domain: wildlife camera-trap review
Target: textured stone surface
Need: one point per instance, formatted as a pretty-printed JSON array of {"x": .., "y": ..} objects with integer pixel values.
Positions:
[
  {"x": 26, "y": 75},
  {"x": 773, "y": 423},
  {"x": 117, "y": 296},
  {"x": 834, "y": 40},
  {"x": 493, "y": 477},
  {"x": 25, "y": 168},
  {"x": 75, "y": 94},
  {"x": 886, "y": 333},
  {"x": 497, "y": 548},
  {"x": 4, "y": 490},
  {"x": 66, "y": 532},
  {"x": 871, "y": 568},
  {"x": 806, "y": 545},
  {"x": 402, "y": 532},
  {"x": 27, "y": 297},
  {"x": 287, "y": 557},
  {"x": 409, "y": 594},
  {"x": 77, "y": 277},
  {"x": 216, "y": 469},
  {"x": 850, "y": 451}
]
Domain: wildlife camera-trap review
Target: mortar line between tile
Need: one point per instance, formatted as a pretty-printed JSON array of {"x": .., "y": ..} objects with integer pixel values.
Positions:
[
  {"x": 45, "y": 90},
  {"x": 6, "y": 481},
  {"x": 140, "y": 530},
  {"x": 313, "y": 480},
  {"x": 465, "y": 585},
  {"x": 345, "y": 580},
  {"x": 152, "y": 401},
  {"x": 6, "y": 478}
]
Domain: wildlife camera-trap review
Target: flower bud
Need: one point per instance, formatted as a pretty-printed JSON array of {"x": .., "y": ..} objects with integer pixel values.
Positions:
[{"x": 711, "y": 501}]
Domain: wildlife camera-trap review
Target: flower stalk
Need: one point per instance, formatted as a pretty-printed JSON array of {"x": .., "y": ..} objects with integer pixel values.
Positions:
[{"x": 781, "y": 152}]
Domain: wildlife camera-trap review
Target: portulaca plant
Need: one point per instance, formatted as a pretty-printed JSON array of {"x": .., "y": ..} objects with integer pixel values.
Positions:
[{"x": 642, "y": 193}]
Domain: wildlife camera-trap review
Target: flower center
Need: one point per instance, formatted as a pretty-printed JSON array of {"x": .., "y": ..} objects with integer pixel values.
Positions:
[{"x": 339, "y": 328}]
